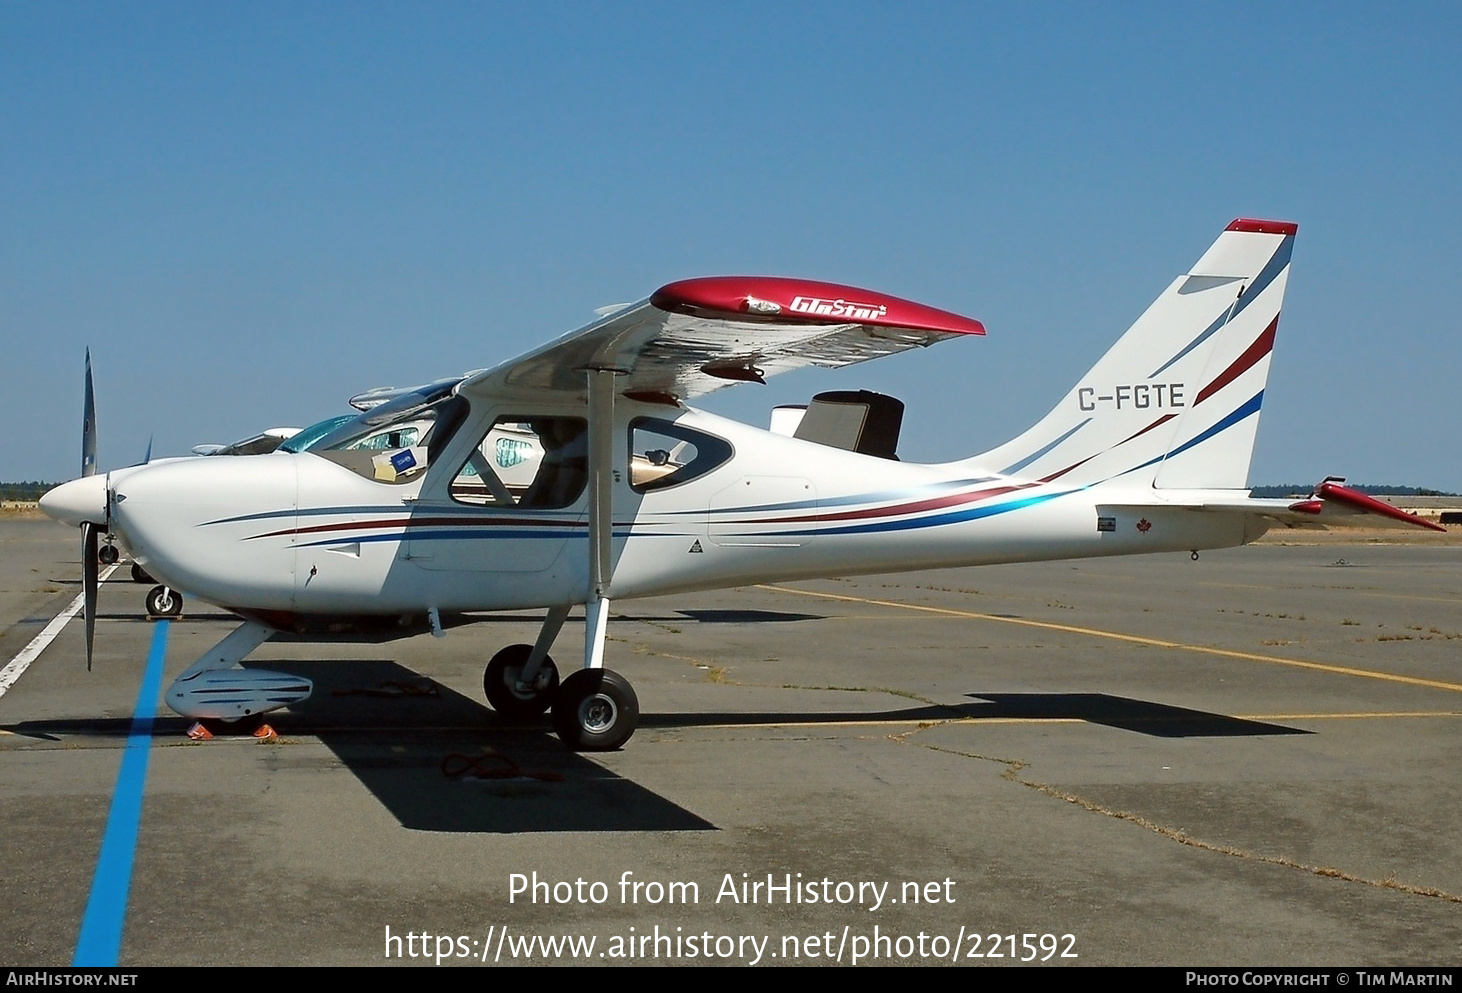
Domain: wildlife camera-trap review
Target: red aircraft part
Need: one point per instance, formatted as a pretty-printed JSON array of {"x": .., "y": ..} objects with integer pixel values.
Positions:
[
  {"x": 1358, "y": 500},
  {"x": 805, "y": 301}
]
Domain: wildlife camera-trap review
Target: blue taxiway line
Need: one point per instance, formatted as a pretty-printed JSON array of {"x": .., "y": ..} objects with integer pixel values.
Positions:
[{"x": 100, "y": 942}]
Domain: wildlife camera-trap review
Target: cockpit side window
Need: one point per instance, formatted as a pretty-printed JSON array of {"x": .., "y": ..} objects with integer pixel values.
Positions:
[
  {"x": 527, "y": 461},
  {"x": 664, "y": 454}
]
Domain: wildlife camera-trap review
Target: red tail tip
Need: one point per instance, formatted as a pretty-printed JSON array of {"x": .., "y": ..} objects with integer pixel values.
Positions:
[{"x": 1255, "y": 226}]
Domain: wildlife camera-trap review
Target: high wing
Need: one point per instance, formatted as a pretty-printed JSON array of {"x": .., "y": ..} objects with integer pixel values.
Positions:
[{"x": 698, "y": 335}]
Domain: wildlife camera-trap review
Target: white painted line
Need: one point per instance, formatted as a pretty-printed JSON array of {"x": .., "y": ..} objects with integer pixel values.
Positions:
[{"x": 17, "y": 666}]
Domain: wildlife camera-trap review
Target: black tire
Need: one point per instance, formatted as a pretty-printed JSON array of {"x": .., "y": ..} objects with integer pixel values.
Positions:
[
  {"x": 164, "y": 602},
  {"x": 141, "y": 575},
  {"x": 500, "y": 683},
  {"x": 108, "y": 555},
  {"x": 596, "y": 711}
]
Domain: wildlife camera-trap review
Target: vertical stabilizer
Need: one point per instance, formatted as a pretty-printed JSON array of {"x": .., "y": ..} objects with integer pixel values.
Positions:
[{"x": 1175, "y": 402}]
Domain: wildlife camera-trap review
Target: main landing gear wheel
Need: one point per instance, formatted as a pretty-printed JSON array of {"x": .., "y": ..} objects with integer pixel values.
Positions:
[
  {"x": 164, "y": 602},
  {"x": 501, "y": 683},
  {"x": 140, "y": 575},
  {"x": 596, "y": 711}
]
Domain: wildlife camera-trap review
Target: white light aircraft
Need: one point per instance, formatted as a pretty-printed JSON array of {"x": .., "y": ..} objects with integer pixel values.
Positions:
[{"x": 632, "y": 493}]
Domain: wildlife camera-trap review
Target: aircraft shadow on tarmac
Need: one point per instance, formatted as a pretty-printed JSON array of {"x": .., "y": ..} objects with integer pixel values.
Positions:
[
  {"x": 1143, "y": 716},
  {"x": 437, "y": 760},
  {"x": 743, "y": 616},
  {"x": 440, "y": 761}
]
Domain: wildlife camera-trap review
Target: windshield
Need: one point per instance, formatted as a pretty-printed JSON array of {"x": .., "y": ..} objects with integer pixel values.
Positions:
[
  {"x": 307, "y": 437},
  {"x": 392, "y": 442},
  {"x": 403, "y": 408}
]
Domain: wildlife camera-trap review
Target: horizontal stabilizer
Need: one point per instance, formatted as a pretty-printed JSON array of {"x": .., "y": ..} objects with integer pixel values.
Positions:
[{"x": 1331, "y": 505}]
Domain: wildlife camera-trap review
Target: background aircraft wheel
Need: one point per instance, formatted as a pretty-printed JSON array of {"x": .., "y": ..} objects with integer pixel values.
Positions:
[
  {"x": 500, "y": 683},
  {"x": 596, "y": 711},
  {"x": 108, "y": 555},
  {"x": 164, "y": 602},
  {"x": 141, "y": 575}
]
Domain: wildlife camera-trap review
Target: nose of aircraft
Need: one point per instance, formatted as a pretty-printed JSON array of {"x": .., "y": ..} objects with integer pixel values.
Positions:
[{"x": 77, "y": 502}]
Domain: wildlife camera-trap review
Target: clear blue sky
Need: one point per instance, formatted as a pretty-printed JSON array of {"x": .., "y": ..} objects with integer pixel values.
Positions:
[{"x": 251, "y": 211}]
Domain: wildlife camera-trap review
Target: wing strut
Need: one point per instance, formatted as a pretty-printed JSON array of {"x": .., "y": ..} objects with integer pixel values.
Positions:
[
  {"x": 595, "y": 709},
  {"x": 601, "y": 512}
]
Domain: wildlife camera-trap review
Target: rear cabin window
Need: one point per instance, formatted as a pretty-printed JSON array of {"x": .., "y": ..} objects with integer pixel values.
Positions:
[{"x": 664, "y": 454}]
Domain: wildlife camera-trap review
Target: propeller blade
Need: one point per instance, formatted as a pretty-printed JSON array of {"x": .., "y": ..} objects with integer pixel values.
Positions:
[
  {"x": 88, "y": 424},
  {"x": 148, "y": 456},
  {"x": 89, "y": 583}
]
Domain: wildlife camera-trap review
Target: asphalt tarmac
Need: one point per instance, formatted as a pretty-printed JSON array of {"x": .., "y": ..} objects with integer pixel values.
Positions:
[{"x": 1252, "y": 759}]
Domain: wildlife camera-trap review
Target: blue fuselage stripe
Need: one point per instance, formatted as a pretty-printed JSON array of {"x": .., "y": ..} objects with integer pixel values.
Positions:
[
  {"x": 100, "y": 942},
  {"x": 931, "y": 521}
]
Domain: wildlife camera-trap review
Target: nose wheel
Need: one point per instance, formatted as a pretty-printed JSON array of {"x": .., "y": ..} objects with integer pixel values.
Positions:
[
  {"x": 596, "y": 710},
  {"x": 164, "y": 602}
]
